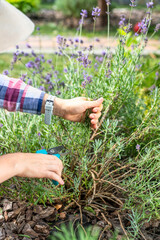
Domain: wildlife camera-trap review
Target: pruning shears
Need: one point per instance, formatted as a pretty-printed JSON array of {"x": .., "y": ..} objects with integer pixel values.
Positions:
[{"x": 53, "y": 151}]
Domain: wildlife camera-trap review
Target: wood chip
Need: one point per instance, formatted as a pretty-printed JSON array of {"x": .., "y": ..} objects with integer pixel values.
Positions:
[
  {"x": 42, "y": 229},
  {"x": 62, "y": 215},
  {"x": 58, "y": 206},
  {"x": 47, "y": 212},
  {"x": 21, "y": 226},
  {"x": 5, "y": 216},
  {"x": 37, "y": 209},
  {"x": 29, "y": 213},
  {"x": 27, "y": 230},
  {"x": 7, "y": 205},
  {"x": 2, "y": 233}
]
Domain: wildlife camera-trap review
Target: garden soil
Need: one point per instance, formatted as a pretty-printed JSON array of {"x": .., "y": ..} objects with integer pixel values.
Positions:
[{"x": 20, "y": 220}]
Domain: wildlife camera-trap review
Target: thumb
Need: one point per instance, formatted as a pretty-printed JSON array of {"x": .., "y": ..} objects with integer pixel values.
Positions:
[{"x": 92, "y": 104}]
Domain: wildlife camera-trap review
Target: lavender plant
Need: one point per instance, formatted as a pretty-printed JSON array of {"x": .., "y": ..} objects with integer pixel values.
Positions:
[{"x": 119, "y": 158}]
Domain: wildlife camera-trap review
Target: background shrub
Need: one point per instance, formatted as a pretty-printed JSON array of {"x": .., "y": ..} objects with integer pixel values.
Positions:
[
  {"x": 73, "y": 7},
  {"x": 25, "y": 5}
]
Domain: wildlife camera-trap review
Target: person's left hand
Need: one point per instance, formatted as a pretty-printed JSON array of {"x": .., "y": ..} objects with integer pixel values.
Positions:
[{"x": 75, "y": 109}]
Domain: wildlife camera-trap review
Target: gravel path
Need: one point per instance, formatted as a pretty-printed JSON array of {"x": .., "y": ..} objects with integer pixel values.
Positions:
[{"x": 46, "y": 44}]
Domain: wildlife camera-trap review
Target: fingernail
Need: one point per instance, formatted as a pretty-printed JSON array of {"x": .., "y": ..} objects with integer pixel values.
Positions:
[{"x": 100, "y": 99}]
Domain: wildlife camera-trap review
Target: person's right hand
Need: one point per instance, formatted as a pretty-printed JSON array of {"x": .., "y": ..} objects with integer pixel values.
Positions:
[{"x": 34, "y": 165}]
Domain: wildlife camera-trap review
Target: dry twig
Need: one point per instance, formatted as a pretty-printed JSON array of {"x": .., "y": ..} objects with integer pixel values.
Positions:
[
  {"x": 119, "y": 217},
  {"x": 104, "y": 116}
]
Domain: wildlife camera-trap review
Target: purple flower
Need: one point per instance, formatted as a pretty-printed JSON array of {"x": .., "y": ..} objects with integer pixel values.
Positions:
[
  {"x": 49, "y": 61},
  {"x": 145, "y": 40},
  {"x": 65, "y": 70},
  {"x": 76, "y": 40},
  {"x": 143, "y": 25},
  {"x": 157, "y": 75},
  {"x": 48, "y": 77},
  {"x": 89, "y": 79},
  {"x": 122, "y": 21},
  {"x": 1, "y": 125},
  {"x": 38, "y": 28},
  {"x": 60, "y": 40},
  {"x": 103, "y": 53},
  {"x": 138, "y": 147},
  {"x": 90, "y": 48},
  {"x": 41, "y": 88},
  {"x": 84, "y": 61},
  {"x": 157, "y": 28},
  {"x": 84, "y": 84},
  {"x": 150, "y": 4},
  {"x": 23, "y": 76},
  {"x": 6, "y": 72},
  {"x": 29, "y": 82},
  {"x": 108, "y": 73},
  {"x": 96, "y": 65},
  {"x": 33, "y": 54},
  {"x": 14, "y": 58},
  {"x": 58, "y": 92},
  {"x": 84, "y": 13},
  {"x": 128, "y": 28},
  {"x": 108, "y": 2},
  {"x": 96, "y": 12},
  {"x": 28, "y": 46},
  {"x": 17, "y": 47},
  {"x": 26, "y": 54},
  {"x": 39, "y": 134},
  {"x": 133, "y": 3},
  {"x": 30, "y": 64}
]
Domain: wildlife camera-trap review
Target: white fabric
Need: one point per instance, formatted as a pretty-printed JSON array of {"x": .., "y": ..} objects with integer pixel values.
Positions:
[{"x": 14, "y": 26}]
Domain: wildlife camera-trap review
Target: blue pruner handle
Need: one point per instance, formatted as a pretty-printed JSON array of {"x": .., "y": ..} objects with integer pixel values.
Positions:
[{"x": 43, "y": 151}]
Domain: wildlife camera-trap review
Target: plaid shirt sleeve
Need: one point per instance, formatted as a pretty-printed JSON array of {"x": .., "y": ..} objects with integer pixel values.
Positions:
[{"x": 15, "y": 95}]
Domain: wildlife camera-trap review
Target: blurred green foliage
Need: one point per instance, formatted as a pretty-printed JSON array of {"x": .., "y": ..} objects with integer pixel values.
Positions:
[
  {"x": 25, "y": 5},
  {"x": 74, "y": 7}
]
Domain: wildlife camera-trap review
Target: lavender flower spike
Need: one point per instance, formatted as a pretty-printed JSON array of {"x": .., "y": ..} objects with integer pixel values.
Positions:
[
  {"x": 138, "y": 147},
  {"x": 133, "y": 3},
  {"x": 122, "y": 21},
  {"x": 149, "y": 5},
  {"x": 60, "y": 40},
  {"x": 84, "y": 13},
  {"x": 96, "y": 11},
  {"x": 108, "y": 2},
  {"x": 157, "y": 28}
]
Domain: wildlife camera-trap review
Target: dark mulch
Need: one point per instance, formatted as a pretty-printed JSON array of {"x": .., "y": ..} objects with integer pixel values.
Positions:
[{"x": 19, "y": 220}]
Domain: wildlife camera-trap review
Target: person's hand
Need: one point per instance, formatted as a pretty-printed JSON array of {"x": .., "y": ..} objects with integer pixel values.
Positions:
[
  {"x": 33, "y": 165},
  {"x": 75, "y": 109}
]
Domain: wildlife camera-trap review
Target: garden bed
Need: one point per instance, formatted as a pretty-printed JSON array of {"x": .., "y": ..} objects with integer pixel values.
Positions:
[
  {"x": 20, "y": 220},
  {"x": 111, "y": 174}
]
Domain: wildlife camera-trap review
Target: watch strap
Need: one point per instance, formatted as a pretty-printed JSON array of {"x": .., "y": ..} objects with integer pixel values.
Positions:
[{"x": 49, "y": 109}]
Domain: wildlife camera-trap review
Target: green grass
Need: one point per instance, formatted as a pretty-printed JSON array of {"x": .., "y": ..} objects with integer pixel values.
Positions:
[{"x": 52, "y": 29}]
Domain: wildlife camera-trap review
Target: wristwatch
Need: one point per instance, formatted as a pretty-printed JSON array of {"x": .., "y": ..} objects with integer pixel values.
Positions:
[{"x": 49, "y": 109}]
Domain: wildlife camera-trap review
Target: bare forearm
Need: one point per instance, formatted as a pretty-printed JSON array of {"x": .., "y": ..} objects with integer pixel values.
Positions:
[{"x": 7, "y": 167}]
